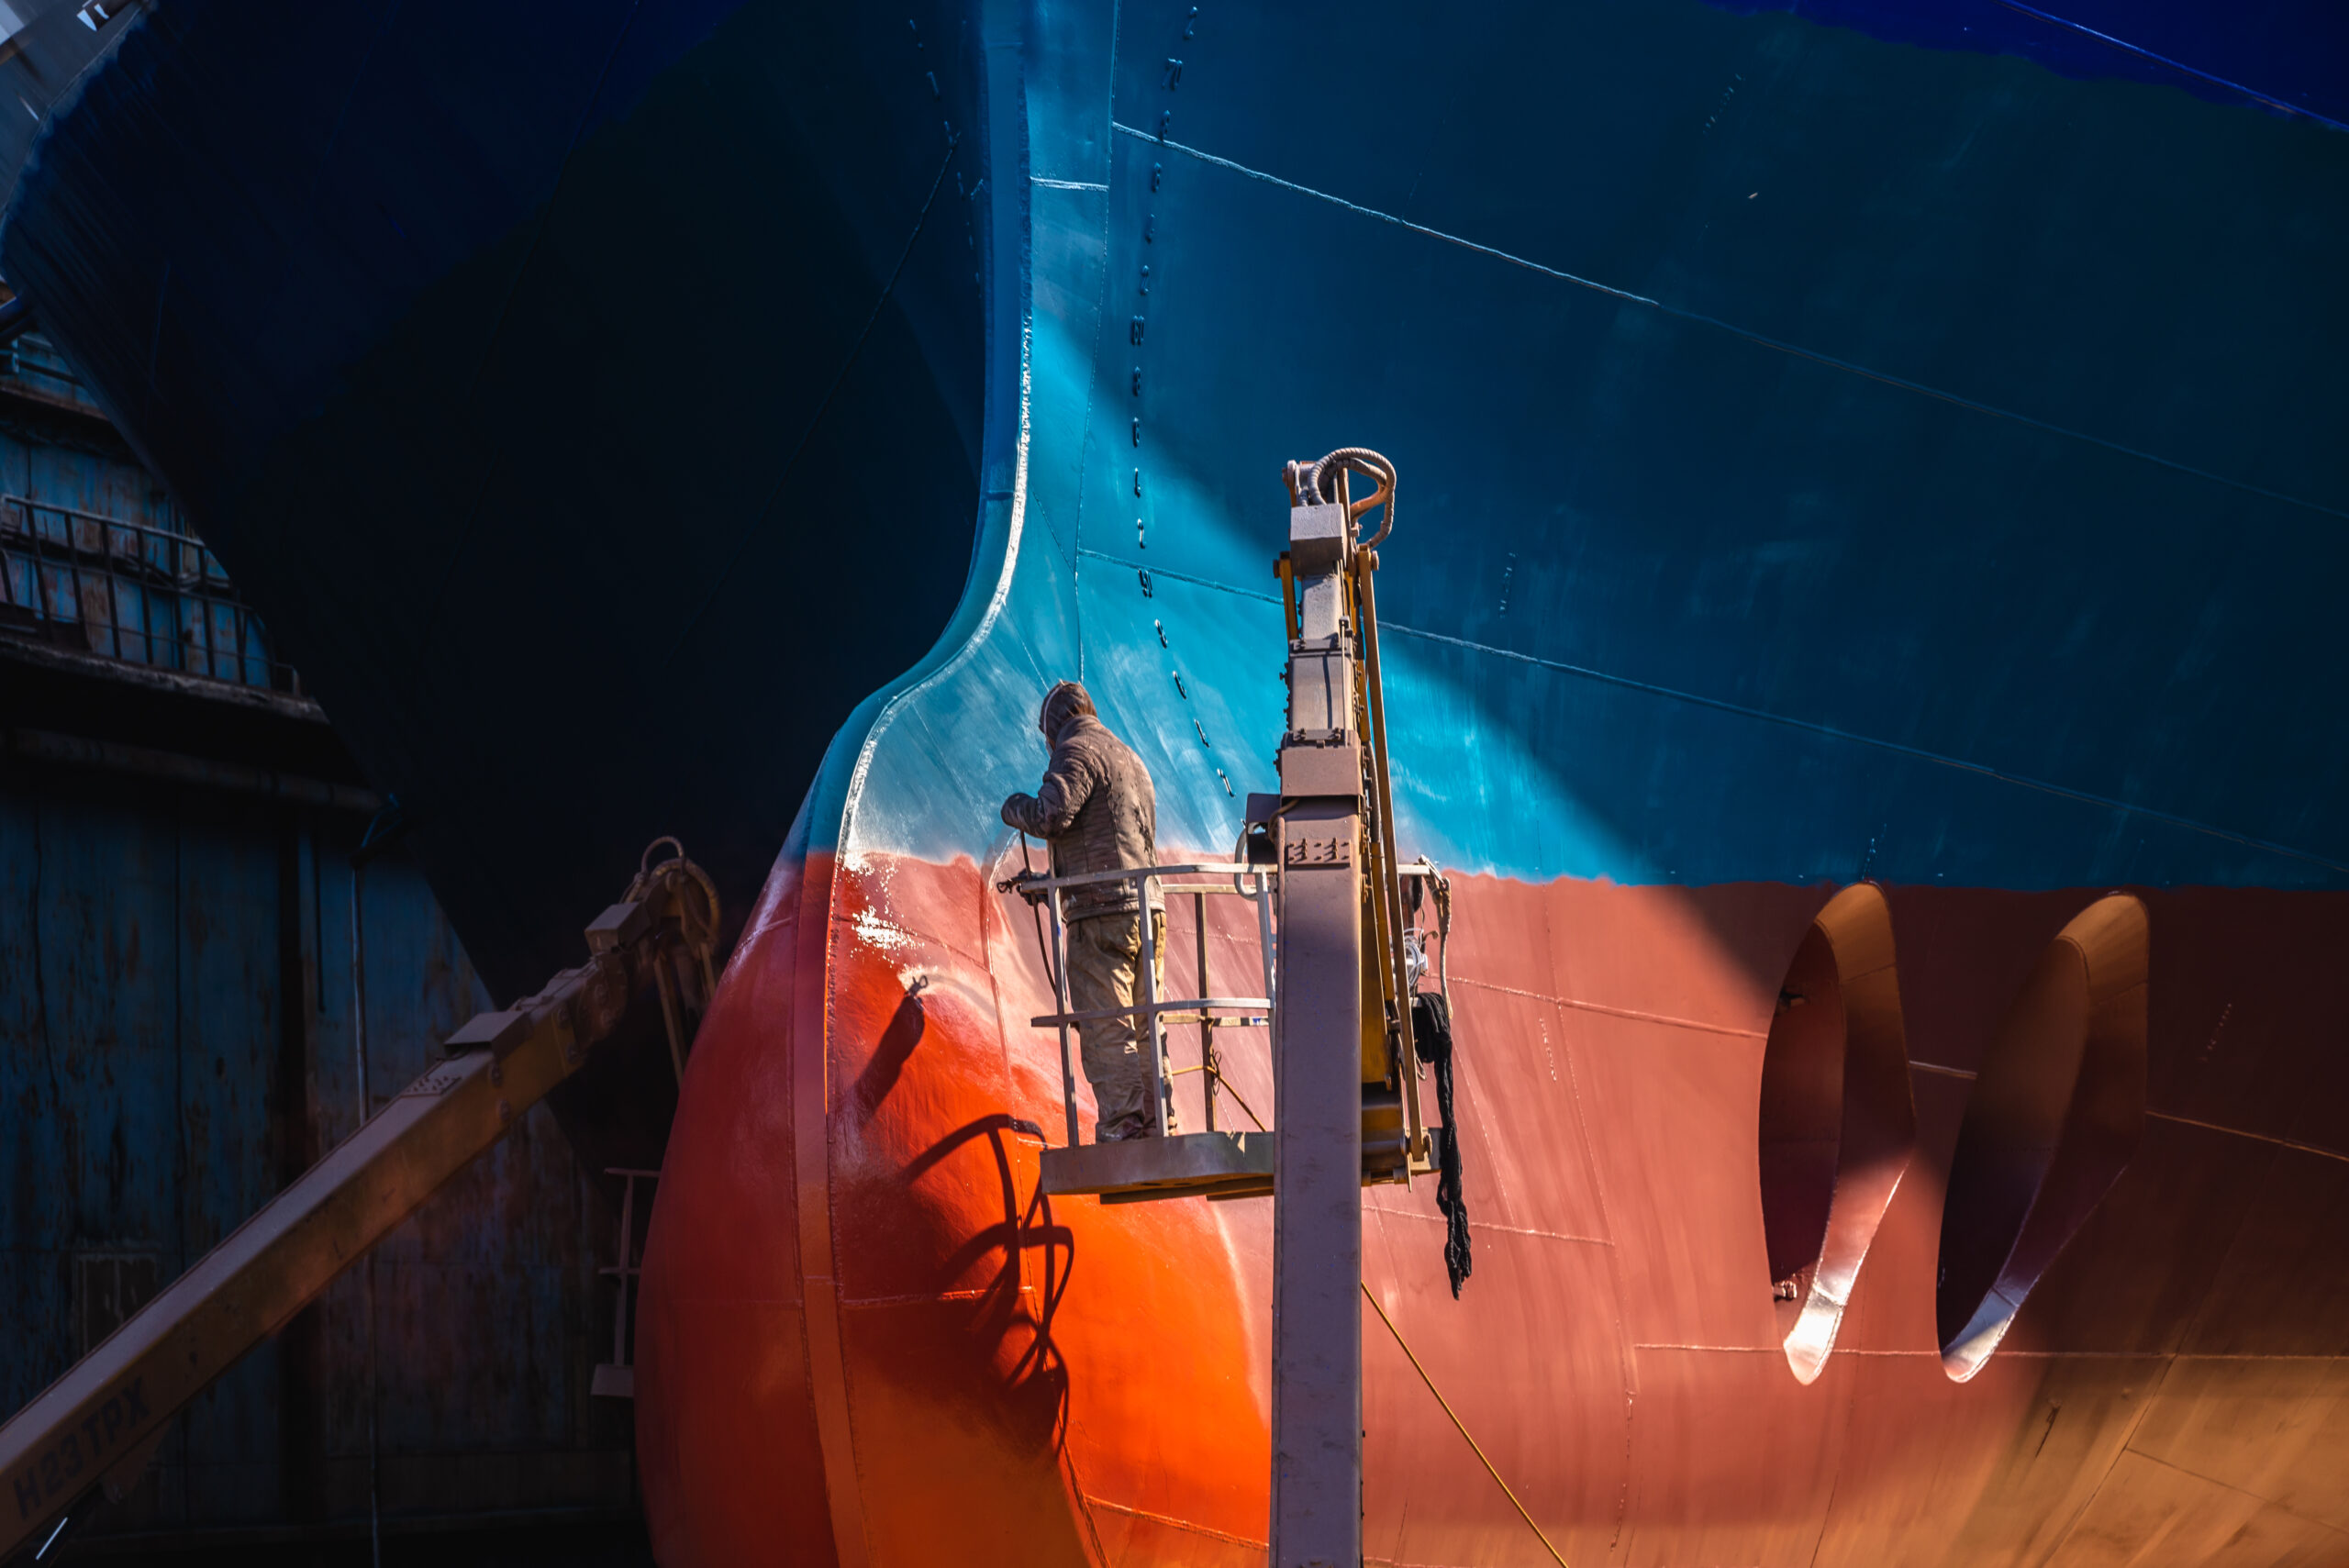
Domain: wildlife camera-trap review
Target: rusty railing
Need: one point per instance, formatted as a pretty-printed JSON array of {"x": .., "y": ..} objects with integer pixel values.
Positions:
[{"x": 128, "y": 591}]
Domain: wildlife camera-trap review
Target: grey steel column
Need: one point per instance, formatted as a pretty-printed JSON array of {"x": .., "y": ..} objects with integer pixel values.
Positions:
[{"x": 1317, "y": 1258}]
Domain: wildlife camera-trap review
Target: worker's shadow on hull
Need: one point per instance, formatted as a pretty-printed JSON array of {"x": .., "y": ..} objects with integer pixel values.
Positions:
[
  {"x": 986, "y": 1235},
  {"x": 891, "y": 1052},
  {"x": 1011, "y": 1319}
]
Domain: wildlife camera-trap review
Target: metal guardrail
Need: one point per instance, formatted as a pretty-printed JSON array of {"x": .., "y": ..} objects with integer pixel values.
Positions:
[
  {"x": 128, "y": 591},
  {"x": 1150, "y": 1012}
]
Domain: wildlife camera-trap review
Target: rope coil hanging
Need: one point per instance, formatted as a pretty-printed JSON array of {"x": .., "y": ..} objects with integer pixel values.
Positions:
[{"x": 1354, "y": 459}]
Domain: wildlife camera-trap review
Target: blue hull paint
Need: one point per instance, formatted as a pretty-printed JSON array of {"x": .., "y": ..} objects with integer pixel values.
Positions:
[
  {"x": 2289, "y": 58},
  {"x": 1954, "y": 505},
  {"x": 1821, "y": 455}
]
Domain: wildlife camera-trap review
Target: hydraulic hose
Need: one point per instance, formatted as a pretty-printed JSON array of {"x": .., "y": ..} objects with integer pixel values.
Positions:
[{"x": 1371, "y": 466}]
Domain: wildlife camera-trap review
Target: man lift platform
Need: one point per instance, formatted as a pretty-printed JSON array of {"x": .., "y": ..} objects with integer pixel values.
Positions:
[{"x": 1318, "y": 862}]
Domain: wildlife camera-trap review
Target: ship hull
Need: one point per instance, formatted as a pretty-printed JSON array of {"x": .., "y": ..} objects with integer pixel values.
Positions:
[
  {"x": 977, "y": 1371},
  {"x": 1828, "y": 464},
  {"x": 866, "y": 1325}
]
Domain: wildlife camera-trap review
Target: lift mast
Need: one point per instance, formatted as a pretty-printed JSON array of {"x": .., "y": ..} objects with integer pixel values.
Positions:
[
  {"x": 1347, "y": 1072},
  {"x": 1317, "y": 1215},
  {"x": 1345, "y": 1065}
]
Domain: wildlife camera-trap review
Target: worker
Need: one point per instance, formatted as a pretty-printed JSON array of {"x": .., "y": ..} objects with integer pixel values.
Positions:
[{"x": 1098, "y": 812}]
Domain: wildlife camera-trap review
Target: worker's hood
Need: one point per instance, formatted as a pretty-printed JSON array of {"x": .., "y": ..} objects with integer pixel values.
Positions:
[{"x": 1063, "y": 706}]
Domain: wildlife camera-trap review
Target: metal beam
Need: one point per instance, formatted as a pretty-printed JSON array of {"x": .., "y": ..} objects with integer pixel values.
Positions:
[
  {"x": 1317, "y": 1216},
  {"x": 99, "y": 1416}
]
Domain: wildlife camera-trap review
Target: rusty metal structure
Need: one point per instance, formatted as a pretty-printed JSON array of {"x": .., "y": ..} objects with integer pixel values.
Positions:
[
  {"x": 186, "y": 916},
  {"x": 97, "y": 1427}
]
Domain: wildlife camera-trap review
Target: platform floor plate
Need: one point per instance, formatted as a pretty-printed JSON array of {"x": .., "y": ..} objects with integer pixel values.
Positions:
[{"x": 1181, "y": 1166}]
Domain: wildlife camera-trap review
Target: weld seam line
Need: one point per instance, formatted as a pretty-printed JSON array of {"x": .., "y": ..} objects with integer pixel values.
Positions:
[
  {"x": 1192, "y": 578},
  {"x": 2320, "y": 1153},
  {"x": 1666, "y": 1020},
  {"x": 1207, "y": 1530},
  {"x": 2260, "y": 1497},
  {"x": 1813, "y": 726},
  {"x": 1830, "y": 731},
  {"x": 2125, "y": 47},
  {"x": 2293, "y": 1143},
  {"x": 1795, "y": 349},
  {"x": 1917, "y": 753}
]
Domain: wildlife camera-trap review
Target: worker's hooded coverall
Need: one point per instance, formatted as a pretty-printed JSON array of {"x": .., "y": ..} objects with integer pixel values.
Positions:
[{"x": 1096, "y": 810}]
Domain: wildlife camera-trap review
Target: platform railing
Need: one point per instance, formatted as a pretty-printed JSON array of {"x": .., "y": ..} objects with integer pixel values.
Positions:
[
  {"x": 1150, "y": 1012},
  {"x": 129, "y": 591}
]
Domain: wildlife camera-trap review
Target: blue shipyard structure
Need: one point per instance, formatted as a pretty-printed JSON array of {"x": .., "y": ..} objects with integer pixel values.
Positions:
[
  {"x": 1890, "y": 443},
  {"x": 180, "y": 1037}
]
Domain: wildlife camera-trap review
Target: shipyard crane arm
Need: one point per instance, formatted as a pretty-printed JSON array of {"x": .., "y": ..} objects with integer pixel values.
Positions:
[{"x": 94, "y": 1425}]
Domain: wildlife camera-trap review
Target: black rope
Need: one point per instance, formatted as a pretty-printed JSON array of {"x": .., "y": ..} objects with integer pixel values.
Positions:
[{"x": 1431, "y": 1033}]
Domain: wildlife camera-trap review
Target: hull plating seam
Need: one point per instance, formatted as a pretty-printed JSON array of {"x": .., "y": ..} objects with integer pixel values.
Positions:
[{"x": 1697, "y": 318}]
